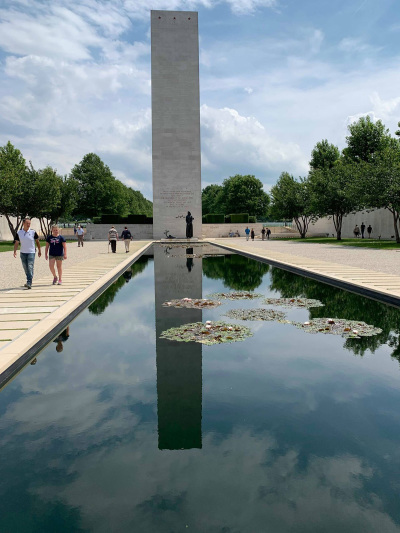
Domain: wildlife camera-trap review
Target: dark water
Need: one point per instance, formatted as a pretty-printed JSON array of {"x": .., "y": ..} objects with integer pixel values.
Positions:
[{"x": 116, "y": 430}]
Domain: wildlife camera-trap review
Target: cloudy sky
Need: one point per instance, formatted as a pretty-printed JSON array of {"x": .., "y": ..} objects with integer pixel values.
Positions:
[{"x": 276, "y": 76}]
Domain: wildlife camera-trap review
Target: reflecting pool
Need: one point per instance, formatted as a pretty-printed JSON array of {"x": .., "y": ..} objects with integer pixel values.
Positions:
[{"x": 114, "y": 429}]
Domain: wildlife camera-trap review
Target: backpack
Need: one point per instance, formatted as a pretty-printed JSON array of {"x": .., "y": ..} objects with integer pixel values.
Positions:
[{"x": 128, "y": 234}]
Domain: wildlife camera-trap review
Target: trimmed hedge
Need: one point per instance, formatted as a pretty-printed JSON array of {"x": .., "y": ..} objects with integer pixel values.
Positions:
[
  {"x": 239, "y": 218},
  {"x": 213, "y": 218},
  {"x": 96, "y": 220},
  {"x": 227, "y": 219},
  {"x": 252, "y": 220},
  {"x": 111, "y": 219},
  {"x": 136, "y": 219}
]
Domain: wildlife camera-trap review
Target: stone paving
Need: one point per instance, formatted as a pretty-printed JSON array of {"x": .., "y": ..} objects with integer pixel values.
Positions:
[{"x": 27, "y": 315}]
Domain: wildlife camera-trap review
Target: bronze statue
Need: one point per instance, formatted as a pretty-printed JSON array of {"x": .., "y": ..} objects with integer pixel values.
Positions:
[{"x": 189, "y": 225}]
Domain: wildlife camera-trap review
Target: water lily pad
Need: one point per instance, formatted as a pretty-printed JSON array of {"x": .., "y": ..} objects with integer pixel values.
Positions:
[
  {"x": 193, "y": 303},
  {"x": 350, "y": 329},
  {"x": 294, "y": 302},
  {"x": 207, "y": 333},
  {"x": 257, "y": 314},
  {"x": 243, "y": 295}
]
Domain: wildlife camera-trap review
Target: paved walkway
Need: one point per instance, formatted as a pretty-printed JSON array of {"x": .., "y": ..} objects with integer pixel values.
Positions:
[
  {"x": 26, "y": 316},
  {"x": 371, "y": 271}
]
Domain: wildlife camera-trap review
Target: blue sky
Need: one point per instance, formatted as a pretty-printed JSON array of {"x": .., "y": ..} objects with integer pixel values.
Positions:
[{"x": 275, "y": 78}]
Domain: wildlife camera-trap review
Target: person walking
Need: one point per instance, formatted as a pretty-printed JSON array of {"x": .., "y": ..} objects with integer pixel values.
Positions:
[
  {"x": 362, "y": 229},
  {"x": 356, "y": 231},
  {"x": 263, "y": 233},
  {"x": 113, "y": 238},
  {"x": 369, "y": 231},
  {"x": 268, "y": 233},
  {"x": 27, "y": 237},
  {"x": 75, "y": 229},
  {"x": 127, "y": 236},
  {"x": 80, "y": 233},
  {"x": 252, "y": 234},
  {"x": 247, "y": 232},
  {"x": 57, "y": 245}
]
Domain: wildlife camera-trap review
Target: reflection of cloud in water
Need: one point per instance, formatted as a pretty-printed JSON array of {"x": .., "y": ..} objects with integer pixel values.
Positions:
[{"x": 240, "y": 483}]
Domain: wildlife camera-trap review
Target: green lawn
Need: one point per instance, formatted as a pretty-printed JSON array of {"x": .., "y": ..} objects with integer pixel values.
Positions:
[{"x": 359, "y": 243}]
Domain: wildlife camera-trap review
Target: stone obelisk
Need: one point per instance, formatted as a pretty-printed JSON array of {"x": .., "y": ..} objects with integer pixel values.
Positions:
[{"x": 175, "y": 122}]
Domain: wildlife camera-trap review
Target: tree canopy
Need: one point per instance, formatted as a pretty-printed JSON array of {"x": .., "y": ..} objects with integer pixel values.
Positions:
[
  {"x": 291, "y": 200},
  {"x": 366, "y": 140},
  {"x": 324, "y": 155}
]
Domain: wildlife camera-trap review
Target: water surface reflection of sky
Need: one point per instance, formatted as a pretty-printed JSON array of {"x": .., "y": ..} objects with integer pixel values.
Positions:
[{"x": 299, "y": 433}]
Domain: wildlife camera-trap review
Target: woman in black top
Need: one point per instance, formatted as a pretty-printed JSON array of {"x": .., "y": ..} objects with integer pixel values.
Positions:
[{"x": 252, "y": 234}]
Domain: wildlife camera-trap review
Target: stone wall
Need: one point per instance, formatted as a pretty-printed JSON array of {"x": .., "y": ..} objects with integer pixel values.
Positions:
[
  {"x": 223, "y": 230},
  {"x": 5, "y": 233},
  {"x": 100, "y": 231},
  {"x": 381, "y": 221}
]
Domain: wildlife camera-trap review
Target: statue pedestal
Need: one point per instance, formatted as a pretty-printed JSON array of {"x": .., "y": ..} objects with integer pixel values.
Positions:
[{"x": 180, "y": 241}]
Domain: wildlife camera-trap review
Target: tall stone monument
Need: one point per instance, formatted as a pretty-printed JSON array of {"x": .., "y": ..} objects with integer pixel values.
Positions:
[{"x": 176, "y": 122}]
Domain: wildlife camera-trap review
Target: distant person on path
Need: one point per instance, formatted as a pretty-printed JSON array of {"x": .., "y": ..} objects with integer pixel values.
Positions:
[
  {"x": 75, "y": 229},
  {"x": 263, "y": 233},
  {"x": 80, "y": 233},
  {"x": 127, "y": 236},
  {"x": 369, "y": 231},
  {"x": 27, "y": 238},
  {"x": 113, "y": 238},
  {"x": 57, "y": 245},
  {"x": 362, "y": 229},
  {"x": 356, "y": 231},
  {"x": 247, "y": 232},
  {"x": 252, "y": 234},
  {"x": 268, "y": 233},
  {"x": 189, "y": 225}
]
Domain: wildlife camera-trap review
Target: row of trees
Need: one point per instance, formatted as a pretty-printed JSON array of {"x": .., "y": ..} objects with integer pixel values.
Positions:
[
  {"x": 366, "y": 174},
  {"x": 90, "y": 190},
  {"x": 237, "y": 194}
]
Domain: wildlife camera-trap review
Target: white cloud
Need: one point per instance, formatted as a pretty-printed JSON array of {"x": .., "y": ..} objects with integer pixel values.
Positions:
[{"x": 230, "y": 139}]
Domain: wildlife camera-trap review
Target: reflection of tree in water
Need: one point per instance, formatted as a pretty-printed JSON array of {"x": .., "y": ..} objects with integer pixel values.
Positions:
[
  {"x": 343, "y": 304},
  {"x": 237, "y": 272},
  {"x": 104, "y": 300}
]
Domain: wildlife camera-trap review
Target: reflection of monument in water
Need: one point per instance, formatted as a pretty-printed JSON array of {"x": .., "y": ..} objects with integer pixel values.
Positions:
[{"x": 179, "y": 364}]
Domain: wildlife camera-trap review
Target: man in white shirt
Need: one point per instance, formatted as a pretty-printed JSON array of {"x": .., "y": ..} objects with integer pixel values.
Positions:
[
  {"x": 80, "y": 233},
  {"x": 27, "y": 237}
]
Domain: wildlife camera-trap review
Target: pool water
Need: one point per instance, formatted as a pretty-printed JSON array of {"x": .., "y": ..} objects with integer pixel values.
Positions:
[{"x": 116, "y": 430}]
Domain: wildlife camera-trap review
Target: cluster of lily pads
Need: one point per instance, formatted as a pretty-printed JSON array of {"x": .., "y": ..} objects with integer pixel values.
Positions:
[
  {"x": 294, "y": 302},
  {"x": 257, "y": 314},
  {"x": 219, "y": 332},
  {"x": 235, "y": 295},
  {"x": 350, "y": 329},
  {"x": 193, "y": 303},
  {"x": 208, "y": 333}
]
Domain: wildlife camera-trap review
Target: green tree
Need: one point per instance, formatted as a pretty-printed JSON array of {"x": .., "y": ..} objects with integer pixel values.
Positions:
[
  {"x": 16, "y": 187},
  {"x": 212, "y": 199},
  {"x": 324, "y": 155},
  {"x": 291, "y": 200},
  {"x": 332, "y": 192},
  {"x": 245, "y": 194},
  {"x": 380, "y": 185},
  {"x": 366, "y": 140},
  {"x": 97, "y": 191}
]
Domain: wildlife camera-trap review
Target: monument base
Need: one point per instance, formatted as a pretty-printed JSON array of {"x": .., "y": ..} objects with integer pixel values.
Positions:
[{"x": 178, "y": 240}]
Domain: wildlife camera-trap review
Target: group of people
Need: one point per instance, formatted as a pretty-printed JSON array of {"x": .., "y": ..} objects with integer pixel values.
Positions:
[
  {"x": 360, "y": 231},
  {"x": 55, "y": 249},
  {"x": 265, "y": 232}
]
